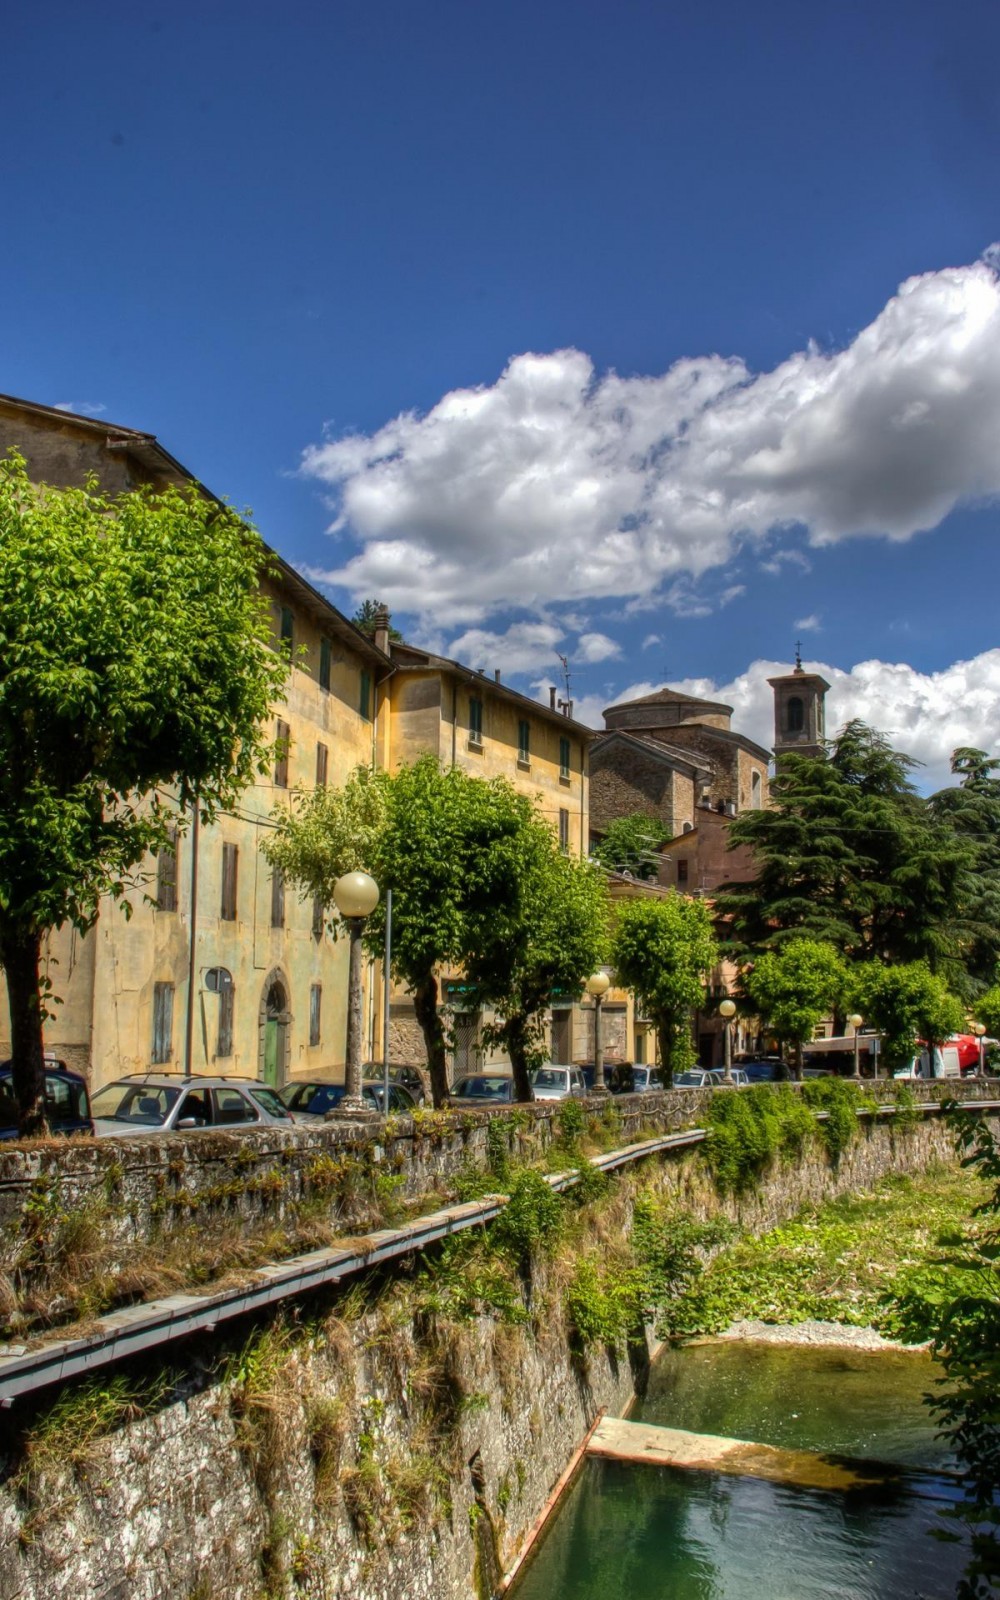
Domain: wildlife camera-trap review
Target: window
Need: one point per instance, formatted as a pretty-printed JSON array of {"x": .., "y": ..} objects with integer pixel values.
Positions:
[
  {"x": 166, "y": 874},
  {"x": 315, "y": 1003},
  {"x": 682, "y": 872},
  {"x": 564, "y": 758},
  {"x": 318, "y": 918},
  {"x": 796, "y": 714},
  {"x": 524, "y": 740},
  {"x": 277, "y": 898},
  {"x": 322, "y": 762},
  {"x": 365, "y": 706},
  {"x": 475, "y": 720},
  {"x": 231, "y": 1106},
  {"x": 230, "y": 858},
  {"x": 755, "y": 791},
  {"x": 563, "y": 828},
  {"x": 287, "y": 629},
  {"x": 163, "y": 1023},
  {"x": 324, "y": 664},
  {"x": 224, "y": 1043},
  {"x": 283, "y": 739}
]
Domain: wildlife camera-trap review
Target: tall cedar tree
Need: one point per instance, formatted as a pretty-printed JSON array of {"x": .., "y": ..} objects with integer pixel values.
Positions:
[
  {"x": 849, "y": 853},
  {"x": 972, "y": 811},
  {"x": 134, "y": 656},
  {"x": 664, "y": 949}
]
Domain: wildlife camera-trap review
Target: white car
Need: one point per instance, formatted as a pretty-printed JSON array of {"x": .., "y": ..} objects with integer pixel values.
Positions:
[
  {"x": 553, "y": 1082},
  {"x": 163, "y": 1102}
]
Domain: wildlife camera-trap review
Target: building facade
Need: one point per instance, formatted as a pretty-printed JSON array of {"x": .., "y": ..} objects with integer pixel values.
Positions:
[{"x": 269, "y": 989}]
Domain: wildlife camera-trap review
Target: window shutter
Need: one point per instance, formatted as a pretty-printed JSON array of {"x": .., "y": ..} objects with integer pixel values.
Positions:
[
  {"x": 283, "y": 739},
  {"x": 322, "y": 762},
  {"x": 315, "y": 1002},
  {"x": 324, "y": 664},
  {"x": 166, "y": 874},
  {"x": 563, "y": 828},
  {"x": 366, "y": 696},
  {"x": 277, "y": 898},
  {"x": 163, "y": 1023},
  {"x": 224, "y": 1046},
  {"x": 230, "y": 859}
]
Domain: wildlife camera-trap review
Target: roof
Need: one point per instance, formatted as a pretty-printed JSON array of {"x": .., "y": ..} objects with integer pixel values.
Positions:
[
  {"x": 408, "y": 658},
  {"x": 658, "y": 749},
  {"x": 148, "y": 450},
  {"x": 670, "y": 697}
]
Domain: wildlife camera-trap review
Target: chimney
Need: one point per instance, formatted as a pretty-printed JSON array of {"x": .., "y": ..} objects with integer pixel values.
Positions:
[
  {"x": 496, "y": 675},
  {"x": 382, "y": 629},
  {"x": 552, "y": 697}
]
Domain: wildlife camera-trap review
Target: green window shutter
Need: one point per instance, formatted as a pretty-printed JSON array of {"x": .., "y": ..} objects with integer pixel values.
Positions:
[
  {"x": 564, "y": 758},
  {"x": 366, "y": 696},
  {"x": 324, "y": 664},
  {"x": 523, "y": 740}
]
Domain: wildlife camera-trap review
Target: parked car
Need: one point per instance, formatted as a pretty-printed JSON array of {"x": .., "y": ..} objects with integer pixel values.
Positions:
[
  {"x": 694, "y": 1079},
  {"x": 485, "y": 1088},
  {"x": 644, "y": 1079},
  {"x": 67, "y": 1107},
  {"x": 554, "y": 1082},
  {"x": 617, "y": 1076},
  {"x": 765, "y": 1069},
  {"x": 409, "y": 1079},
  {"x": 739, "y": 1077},
  {"x": 164, "y": 1102},
  {"x": 310, "y": 1101}
]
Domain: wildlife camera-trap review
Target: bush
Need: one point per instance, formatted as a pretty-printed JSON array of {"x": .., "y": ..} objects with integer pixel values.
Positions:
[
  {"x": 749, "y": 1130},
  {"x": 841, "y": 1100}
]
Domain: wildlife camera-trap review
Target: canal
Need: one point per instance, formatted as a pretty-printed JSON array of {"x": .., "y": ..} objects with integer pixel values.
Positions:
[{"x": 625, "y": 1531}]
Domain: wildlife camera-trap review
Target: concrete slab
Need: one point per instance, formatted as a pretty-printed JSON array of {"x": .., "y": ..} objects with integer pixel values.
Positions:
[{"x": 708, "y": 1452}]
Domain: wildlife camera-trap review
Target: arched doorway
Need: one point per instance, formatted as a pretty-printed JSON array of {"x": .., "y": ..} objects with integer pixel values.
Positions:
[{"x": 274, "y": 1026}]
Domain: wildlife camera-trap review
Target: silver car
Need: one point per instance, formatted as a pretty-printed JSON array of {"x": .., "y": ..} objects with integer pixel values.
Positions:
[
  {"x": 553, "y": 1082},
  {"x": 164, "y": 1102}
]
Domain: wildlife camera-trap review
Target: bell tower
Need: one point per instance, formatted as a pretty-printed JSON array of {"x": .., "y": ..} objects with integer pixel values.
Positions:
[{"x": 799, "y": 712}]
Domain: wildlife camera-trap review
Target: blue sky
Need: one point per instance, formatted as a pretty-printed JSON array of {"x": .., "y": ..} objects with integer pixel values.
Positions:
[{"x": 261, "y": 231}]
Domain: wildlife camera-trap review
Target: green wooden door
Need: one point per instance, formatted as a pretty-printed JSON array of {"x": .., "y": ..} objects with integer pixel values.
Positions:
[{"x": 272, "y": 1038}]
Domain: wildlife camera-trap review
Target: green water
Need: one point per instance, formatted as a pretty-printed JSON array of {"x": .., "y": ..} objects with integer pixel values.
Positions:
[{"x": 630, "y": 1532}]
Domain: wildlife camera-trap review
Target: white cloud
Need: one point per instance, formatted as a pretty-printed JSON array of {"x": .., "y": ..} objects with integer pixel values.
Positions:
[
  {"x": 928, "y": 715},
  {"x": 81, "y": 408},
  {"x": 650, "y": 640},
  {"x": 810, "y": 624},
  {"x": 591, "y": 647},
  {"x": 557, "y": 483},
  {"x": 524, "y": 647}
]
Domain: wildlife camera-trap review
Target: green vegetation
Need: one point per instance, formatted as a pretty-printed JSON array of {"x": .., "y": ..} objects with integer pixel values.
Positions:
[
  {"x": 793, "y": 988},
  {"x": 955, "y": 1302},
  {"x": 905, "y": 1003},
  {"x": 840, "y": 1262},
  {"x": 134, "y": 655},
  {"x": 478, "y": 884},
  {"x": 751, "y": 1128},
  {"x": 631, "y": 844},
  {"x": 663, "y": 950}
]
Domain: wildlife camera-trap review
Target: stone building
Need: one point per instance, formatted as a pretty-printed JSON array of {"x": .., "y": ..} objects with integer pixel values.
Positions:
[
  {"x": 799, "y": 712},
  {"x": 270, "y": 988},
  {"x": 677, "y": 758}
]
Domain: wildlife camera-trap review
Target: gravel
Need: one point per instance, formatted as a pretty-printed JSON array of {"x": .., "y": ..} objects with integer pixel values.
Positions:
[{"x": 813, "y": 1332}]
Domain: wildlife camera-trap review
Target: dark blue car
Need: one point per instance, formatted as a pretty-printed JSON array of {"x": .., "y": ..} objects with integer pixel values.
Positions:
[{"x": 67, "y": 1105}]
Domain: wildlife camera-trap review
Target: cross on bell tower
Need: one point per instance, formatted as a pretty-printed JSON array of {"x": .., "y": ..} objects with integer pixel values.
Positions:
[{"x": 799, "y": 711}]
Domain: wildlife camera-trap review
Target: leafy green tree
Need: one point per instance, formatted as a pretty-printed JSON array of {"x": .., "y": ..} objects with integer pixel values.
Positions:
[
  {"x": 972, "y": 811},
  {"x": 987, "y": 1009},
  {"x": 795, "y": 987},
  {"x": 461, "y": 857},
  {"x": 905, "y": 1003},
  {"x": 850, "y": 854},
  {"x": 133, "y": 656},
  {"x": 631, "y": 844},
  {"x": 956, "y": 1305},
  {"x": 550, "y": 935},
  {"x": 365, "y": 616},
  {"x": 664, "y": 949}
]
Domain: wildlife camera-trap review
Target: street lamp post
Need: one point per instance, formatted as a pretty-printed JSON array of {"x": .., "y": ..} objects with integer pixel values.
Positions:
[
  {"x": 727, "y": 1011},
  {"x": 855, "y": 1021},
  {"x": 355, "y": 895},
  {"x": 979, "y": 1032},
  {"x": 597, "y": 987}
]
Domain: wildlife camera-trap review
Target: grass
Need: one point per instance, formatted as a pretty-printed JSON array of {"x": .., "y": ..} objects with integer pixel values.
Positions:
[{"x": 839, "y": 1262}]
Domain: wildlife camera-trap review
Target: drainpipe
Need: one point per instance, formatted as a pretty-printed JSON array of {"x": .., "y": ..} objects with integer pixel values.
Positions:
[{"x": 189, "y": 1019}]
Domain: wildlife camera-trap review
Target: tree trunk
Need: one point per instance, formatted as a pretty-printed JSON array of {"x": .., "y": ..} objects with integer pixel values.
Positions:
[
  {"x": 798, "y": 1061},
  {"x": 517, "y": 1048},
  {"x": 20, "y": 956},
  {"x": 665, "y": 1033},
  {"x": 425, "y": 998}
]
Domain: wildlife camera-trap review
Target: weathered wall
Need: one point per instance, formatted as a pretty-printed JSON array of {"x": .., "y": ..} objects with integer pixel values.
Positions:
[{"x": 365, "y": 1449}]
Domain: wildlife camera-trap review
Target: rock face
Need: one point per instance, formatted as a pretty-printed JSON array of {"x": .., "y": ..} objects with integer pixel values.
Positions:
[{"x": 377, "y": 1443}]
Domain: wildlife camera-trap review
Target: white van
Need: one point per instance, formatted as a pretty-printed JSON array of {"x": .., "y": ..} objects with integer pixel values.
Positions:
[{"x": 945, "y": 1064}]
